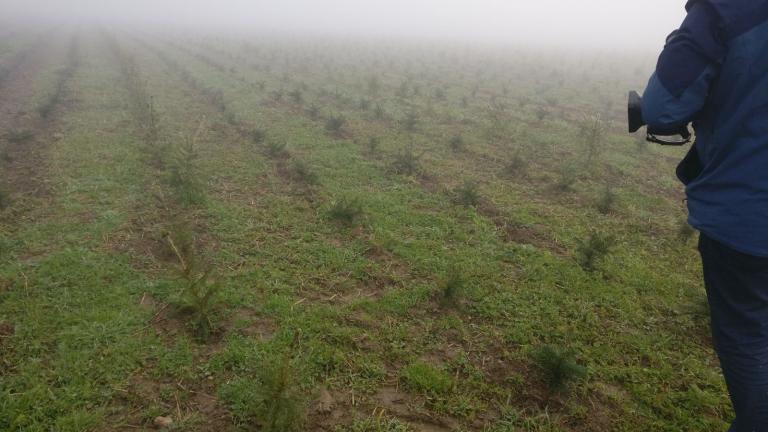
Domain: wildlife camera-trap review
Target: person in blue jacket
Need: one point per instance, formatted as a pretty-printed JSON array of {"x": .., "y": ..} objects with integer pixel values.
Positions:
[{"x": 713, "y": 72}]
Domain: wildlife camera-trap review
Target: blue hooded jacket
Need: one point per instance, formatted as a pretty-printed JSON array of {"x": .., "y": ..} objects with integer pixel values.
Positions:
[{"x": 714, "y": 71}]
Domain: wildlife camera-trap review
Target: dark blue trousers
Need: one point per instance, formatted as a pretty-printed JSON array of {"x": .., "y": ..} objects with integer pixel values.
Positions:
[{"x": 737, "y": 288}]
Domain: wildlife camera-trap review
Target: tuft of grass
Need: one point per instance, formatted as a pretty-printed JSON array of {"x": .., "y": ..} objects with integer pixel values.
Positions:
[
  {"x": 407, "y": 162},
  {"x": 378, "y": 422},
  {"x": 19, "y": 136},
  {"x": 346, "y": 211},
  {"x": 422, "y": 377},
  {"x": 606, "y": 201},
  {"x": 468, "y": 194},
  {"x": 593, "y": 249},
  {"x": 558, "y": 368}
]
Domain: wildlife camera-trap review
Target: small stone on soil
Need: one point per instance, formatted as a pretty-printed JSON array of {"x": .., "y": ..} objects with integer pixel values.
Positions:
[{"x": 163, "y": 422}]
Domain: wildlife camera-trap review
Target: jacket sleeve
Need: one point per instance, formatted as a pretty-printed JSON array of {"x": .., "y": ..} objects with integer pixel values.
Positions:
[{"x": 686, "y": 69}]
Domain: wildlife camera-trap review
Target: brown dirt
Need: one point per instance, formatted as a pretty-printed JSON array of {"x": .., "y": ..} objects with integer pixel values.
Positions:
[
  {"x": 332, "y": 409},
  {"x": 181, "y": 401},
  {"x": 518, "y": 233}
]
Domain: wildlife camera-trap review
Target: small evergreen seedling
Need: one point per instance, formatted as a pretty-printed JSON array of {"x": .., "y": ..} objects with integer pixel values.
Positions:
[
  {"x": 457, "y": 143},
  {"x": 590, "y": 251},
  {"x": 541, "y": 114},
  {"x": 19, "y": 136},
  {"x": 296, "y": 96},
  {"x": 468, "y": 194},
  {"x": 277, "y": 149},
  {"x": 566, "y": 178},
  {"x": 452, "y": 287},
  {"x": 302, "y": 173},
  {"x": 379, "y": 112},
  {"x": 313, "y": 111},
  {"x": 279, "y": 406},
  {"x": 346, "y": 211},
  {"x": 373, "y": 144},
  {"x": 185, "y": 175},
  {"x": 335, "y": 124},
  {"x": 592, "y": 131},
  {"x": 5, "y": 154},
  {"x": 258, "y": 135},
  {"x": 5, "y": 198},
  {"x": 685, "y": 231},
  {"x": 558, "y": 368},
  {"x": 606, "y": 201},
  {"x": 411, "y": 121},
  {"x": 516, "y": 166},
  {"x": 199, "y": 291},
  {"x": 407, "y": 162}
]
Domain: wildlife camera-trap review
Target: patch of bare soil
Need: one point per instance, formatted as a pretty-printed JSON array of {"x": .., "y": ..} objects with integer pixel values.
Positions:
[
  {"x": 517, "y": 233},
  {"x": 192, "y": 404},
  {"x": 332, "y": 409}
]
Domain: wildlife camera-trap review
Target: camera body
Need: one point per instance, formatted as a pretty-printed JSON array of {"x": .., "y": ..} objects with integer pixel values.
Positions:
[{"x": 635, "y": 121}]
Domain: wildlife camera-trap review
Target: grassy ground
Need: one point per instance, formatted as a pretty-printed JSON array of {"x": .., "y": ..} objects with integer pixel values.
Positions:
[{"x": 328, "y": 235}]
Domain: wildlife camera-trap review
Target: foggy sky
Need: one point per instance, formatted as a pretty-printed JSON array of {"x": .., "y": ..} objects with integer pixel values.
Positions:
[{"x": 614, "y": 24}]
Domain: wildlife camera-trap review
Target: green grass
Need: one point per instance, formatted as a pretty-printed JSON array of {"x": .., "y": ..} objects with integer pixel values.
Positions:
[
  {"x": 423, "y": 377},
  {"x": 344, "y": 247}
]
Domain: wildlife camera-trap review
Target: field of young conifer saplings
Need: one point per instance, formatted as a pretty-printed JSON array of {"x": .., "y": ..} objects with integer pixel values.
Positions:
[{"x": 275, "y": 233}]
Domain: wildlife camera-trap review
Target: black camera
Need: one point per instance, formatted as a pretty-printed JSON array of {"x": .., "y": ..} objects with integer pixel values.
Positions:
[{"x": 636, "y": 121}]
